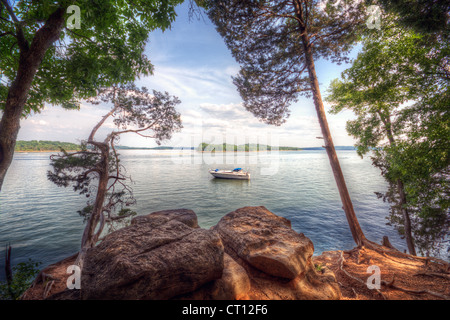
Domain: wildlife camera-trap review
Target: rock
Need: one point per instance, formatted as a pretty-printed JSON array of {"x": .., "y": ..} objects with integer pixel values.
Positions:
[
  {"x": 266, "y": 241},
  {"x": 66, "y": 294},
  {"x": 250, "y": 254},
  {"x": 277, "y": 259},
  {"x": 234, "y": 284},
  {"x": 188, "y": 217},
  {"x": 156, "y": 257}
]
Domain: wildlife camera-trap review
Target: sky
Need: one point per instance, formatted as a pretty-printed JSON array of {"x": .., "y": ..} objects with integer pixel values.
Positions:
[{"x": 192, "y": 62}]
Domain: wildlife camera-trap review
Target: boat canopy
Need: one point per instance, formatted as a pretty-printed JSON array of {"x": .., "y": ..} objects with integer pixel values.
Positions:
[{"x": 237, "y": 169}]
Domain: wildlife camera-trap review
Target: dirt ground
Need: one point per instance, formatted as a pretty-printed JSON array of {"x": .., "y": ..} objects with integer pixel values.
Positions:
[
  {"x": 403, "y": 277},
  {"x": 51, "y": 280}
]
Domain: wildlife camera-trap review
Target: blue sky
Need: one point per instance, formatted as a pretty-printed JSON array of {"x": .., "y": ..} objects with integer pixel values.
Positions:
[{"x": 193, "y": 63}]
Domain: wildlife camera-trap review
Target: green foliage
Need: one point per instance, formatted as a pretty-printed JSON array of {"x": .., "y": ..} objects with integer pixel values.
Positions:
[
  {"x": 23, "y": 275},
  {"x": 126, "y": 212},
  {"x": 107, "y": 49},
  {"x": 319, "y": 267},
  {"x": 43, "y": 145},
  {"x": 398, "y": 88},
  {"x": 424, "y": 16}
]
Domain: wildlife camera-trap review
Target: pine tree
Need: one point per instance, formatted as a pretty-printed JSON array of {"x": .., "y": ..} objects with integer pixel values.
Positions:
[{"x": 277, "y": 43}]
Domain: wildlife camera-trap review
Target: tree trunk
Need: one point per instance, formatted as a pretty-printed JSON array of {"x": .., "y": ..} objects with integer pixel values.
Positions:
[
  {"x": 8, "y": 270},
  {"x": 89, "y": 238},
  {"x": 357, "y": 233},
  {"x": 29, "y": 61},
  {"x": 406, "y": 219},
  {"x": 400, "y": 189}
]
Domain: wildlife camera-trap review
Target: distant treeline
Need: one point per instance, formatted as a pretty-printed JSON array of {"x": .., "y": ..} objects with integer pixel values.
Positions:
[
  {"x": 155, "y": 148},
  {"x": 244, "y": 147},
  {"x": 43, "y": 145}
]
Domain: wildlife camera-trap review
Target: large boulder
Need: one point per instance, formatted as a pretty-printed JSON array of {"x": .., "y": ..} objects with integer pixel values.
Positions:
[
  {"x": 266, "y": 241},
  {"x": 158, "y": 256},
  {"x": 277, "y": 259}
]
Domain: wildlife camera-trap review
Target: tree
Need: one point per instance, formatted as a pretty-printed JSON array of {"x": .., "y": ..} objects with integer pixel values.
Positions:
[
  {"x": 134, "y": 111},
  {"x": 43, "y": 61},
  {"x": 423, "y": 16},
  {"x": 276, "y": 43},
  {"x": 18, "y": 278},
  {"x": 398, "y": 87}
]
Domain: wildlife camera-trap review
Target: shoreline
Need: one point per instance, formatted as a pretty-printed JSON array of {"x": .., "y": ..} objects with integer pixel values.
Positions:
[
  {"x": 42, "y": 151},
  {"x": 249, "y": 151}
]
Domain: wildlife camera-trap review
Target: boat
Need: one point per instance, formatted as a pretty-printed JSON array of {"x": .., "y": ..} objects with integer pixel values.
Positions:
[{"x": 237, "y": 173}]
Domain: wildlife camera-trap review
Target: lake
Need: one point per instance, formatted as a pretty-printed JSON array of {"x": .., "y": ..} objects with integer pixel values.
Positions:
[{"x": 41, "y": 222}]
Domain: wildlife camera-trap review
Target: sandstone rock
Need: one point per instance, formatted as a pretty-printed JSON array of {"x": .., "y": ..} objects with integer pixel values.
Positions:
[
  {"x": 157, "y": 257},
  {"x": 188, "y": 217},
  {"x": 234, "y": 284},
  {"x": 266, "y": 241},
  {"x": 277, "y": 259}
]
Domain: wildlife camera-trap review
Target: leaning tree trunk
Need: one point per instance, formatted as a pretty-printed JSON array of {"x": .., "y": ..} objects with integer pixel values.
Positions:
[
  {"x": 90, "y": 236},
  {"x": 30, "y": 58},
  {"x": 357, "y": 233},
  {"x": 91, "y": 233}
]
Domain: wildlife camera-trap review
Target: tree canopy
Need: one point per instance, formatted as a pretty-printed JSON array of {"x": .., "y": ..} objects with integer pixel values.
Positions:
[
  {"x": 423, "y": 16},
  {"x": 45, "y": 61},
  {"x": 265, "y": 38},
  {"x": 107, "y": 49},
  {"x": 398, "y": 88}
]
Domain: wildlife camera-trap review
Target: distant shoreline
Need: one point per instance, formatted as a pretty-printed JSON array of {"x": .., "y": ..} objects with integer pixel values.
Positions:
[
  {"x": 213, "y": 151},
  {"x": 42, "y": 151}
]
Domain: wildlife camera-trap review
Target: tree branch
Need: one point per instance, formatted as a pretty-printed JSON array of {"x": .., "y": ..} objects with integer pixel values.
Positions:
[
  {"x": 80, "y": 35},
  {"x": 23, "y": 43},
  {"x": 6, "y": 20},
  {"x": 6, "y": 33},
  {"x": 98, "y": 125},
  {"x": 10, "y": 11}
]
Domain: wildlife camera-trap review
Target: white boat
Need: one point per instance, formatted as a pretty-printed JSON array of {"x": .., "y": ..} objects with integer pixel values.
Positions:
[{"x": 237, "y": 173}]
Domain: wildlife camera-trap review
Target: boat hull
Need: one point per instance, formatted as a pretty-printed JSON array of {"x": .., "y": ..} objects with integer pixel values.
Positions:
[{"x": 230, "y": 175}]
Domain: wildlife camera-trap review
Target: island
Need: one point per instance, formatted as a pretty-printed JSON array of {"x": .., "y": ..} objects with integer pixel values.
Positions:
[
  {"x": 44, "y": 146},
  {"x": 244, "y": 147}
]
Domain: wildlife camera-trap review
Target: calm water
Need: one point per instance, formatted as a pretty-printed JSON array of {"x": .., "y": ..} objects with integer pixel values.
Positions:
[{"x": 40, "y": 220}]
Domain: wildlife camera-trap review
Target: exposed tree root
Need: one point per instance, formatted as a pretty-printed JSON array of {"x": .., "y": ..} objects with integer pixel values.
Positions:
[
  {"x": 433, "y": 274},
  {"x": 47, "y": 288},
  {"x": 341, "y": 266},
  {"x": 392, "y": 286},
  {"x": 394, "y": 252},
  {"x": 389, "y": 285}
]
